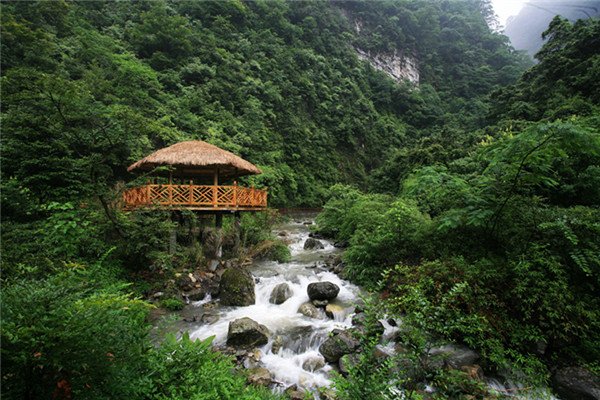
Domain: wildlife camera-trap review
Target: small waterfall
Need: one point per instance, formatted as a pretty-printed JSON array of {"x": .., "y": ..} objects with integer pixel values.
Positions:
[{"x": 298, "y": 361}]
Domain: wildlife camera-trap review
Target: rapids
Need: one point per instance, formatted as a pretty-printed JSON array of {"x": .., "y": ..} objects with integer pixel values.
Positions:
[
  {"x": 301, "y": 335},
  {"x": 299, "y": 362}
]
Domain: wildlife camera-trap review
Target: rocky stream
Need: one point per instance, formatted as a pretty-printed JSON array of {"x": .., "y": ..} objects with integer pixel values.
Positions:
[{"x": 287, "y": 323}]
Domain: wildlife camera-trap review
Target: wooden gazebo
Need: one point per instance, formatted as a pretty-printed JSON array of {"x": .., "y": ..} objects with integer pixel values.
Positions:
[{"x": 200, "y": 161}]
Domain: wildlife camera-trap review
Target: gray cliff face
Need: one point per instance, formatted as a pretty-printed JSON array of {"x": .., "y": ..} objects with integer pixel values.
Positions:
[{"x": 398, "y": 66}]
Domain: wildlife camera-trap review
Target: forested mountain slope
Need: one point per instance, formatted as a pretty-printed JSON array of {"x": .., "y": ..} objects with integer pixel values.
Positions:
[{"x": 90, "y": 87}]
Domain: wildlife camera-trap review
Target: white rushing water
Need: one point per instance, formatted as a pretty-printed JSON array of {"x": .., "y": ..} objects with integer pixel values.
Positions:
[
  {"x": 296, "y": 361},
  {"x": 299, "y": 362}
]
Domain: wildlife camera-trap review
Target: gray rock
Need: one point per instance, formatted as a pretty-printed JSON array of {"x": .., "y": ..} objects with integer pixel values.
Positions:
[
  {"x": 259, "y": 377},
  {"x": 237, "y": 287},
  {"x": 280, "y": 293},
  {"x": 296, "y": 395},
  {"x": 208, "y": 318},
  {"x": 309, "y": 310},
  {"x": 320, "y": 303},
  {"x": 576, "y": 383},
  {"x": 323, "y": 291},
  {"x": 455, "y": 355},
  {"x": 277, "y": 344},
  {"x": 313, "y": 244},
  {"x": 313, "y": 364},
  {"x": 245, "y": 333},
  {"x": 342, "y": 342},
  {"x": 196, "y": 294}
]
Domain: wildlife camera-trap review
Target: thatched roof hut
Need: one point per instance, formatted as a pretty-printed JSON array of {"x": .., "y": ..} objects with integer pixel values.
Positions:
[{"x": 196, "y": 158}]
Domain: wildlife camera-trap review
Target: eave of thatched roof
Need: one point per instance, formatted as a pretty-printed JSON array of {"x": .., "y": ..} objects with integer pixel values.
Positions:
[{"x": 196, "y": 158}]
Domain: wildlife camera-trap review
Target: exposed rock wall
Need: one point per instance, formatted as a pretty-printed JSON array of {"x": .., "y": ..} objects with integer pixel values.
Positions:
[{"x": 398, "y": 66}]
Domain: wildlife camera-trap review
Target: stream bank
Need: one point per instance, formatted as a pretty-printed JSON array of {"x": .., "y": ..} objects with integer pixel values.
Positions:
[{"x": 294, "y": 355}]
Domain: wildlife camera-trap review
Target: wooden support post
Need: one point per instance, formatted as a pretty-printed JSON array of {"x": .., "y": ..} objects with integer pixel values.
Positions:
[
  {"x": 173, "y": 237},
  {"x": 237, "y": 225},
  {"x": 218, "y": 233},
  {"x": 191, "y": 192},
  {"x": 216, "y": 186},
  {"x": 235, "y": 202}
]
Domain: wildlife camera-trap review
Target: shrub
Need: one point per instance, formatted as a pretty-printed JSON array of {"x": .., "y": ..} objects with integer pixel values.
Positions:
[
  {"x": 66, "y": 336},
  {"x": 172, "y": 304},
  {"x": 192, "y": 370}
]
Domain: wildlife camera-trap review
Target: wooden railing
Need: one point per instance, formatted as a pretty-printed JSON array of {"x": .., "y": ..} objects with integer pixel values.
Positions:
[{"x": 195, "y": 196}]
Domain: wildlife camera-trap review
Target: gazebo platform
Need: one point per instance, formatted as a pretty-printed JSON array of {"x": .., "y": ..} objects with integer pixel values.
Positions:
[{"x": 196, "y": 197}]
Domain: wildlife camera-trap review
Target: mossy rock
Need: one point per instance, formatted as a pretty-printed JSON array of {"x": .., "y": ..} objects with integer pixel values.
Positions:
[{"x": 237, "y": 287}]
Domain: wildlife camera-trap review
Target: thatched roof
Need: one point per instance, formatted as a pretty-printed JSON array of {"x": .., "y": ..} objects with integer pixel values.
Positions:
[{"x": 196, "y": 158}]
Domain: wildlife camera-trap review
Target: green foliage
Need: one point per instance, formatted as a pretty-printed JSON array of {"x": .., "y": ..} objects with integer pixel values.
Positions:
[
  {"x": 379, "y": 229},
  {"x": 172, "y": 304},
  {"x": 369, "y": 374},
  {"x": 186, "y": 369},
  {"x": 563, "y": 83},
  {"x": 68, "y": 334}
]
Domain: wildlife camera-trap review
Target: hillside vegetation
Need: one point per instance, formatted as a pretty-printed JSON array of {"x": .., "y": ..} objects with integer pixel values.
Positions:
[{"x": 476, "y": 186}]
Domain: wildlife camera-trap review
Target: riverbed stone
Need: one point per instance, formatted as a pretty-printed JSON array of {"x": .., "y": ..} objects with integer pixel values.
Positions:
[
  {"x": 309, "y": 310},
  {"x": 455, "y": 355},
  {"x": 208, "y": 318},
  {"x": 245, "y": 333},
  {"x": 237, "y": 287},
  {"x": 313, "y": 244},
  {"x": 313, "y": 363},
  {"x": 277, "y": 344},
  {"x": 323, "y": 291},
  {"x": 341, "y": 342},
  {"x": 259, "y": 376},
  {"x": 320, "y": 303},
  {"x": 331, "y": 310},
  {"x": 572, "y": 383},
  {"x": 280, "y": 293}
]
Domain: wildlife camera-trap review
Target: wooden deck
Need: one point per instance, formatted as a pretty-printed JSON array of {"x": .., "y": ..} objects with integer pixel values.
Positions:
[{"x": 196, "y": 197}]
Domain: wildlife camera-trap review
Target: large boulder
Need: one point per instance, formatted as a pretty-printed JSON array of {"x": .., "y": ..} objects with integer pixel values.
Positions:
[
  {"x": 309, "y": 310},
  {"x": 340, "y": 343},
  {"x": 237, "y": 287},
  {"x": 280, "y": 293},
  {"x": 246, "y": 333},
  {"x": 572, "y": 383},
  {"x": 313, "y": 244},
  {"x": 323, "y": 291}
]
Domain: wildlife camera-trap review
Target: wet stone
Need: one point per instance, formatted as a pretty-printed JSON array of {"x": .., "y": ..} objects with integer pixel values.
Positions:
[
  {"x": 342, "y": 342},
  {"x": 277, "y": 344},
  {"x": 322, "y": 291},
  {"x": 309, "y": 310},
  {"x": 313, "y": 244},
  {"x": 280, "y": 293},
  {"x": 259, "y": 376},
  {"x": 245, "y": 332}
]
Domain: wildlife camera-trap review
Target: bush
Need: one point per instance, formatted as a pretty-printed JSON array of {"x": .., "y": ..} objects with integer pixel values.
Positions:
[
  {"x": 380, "y": 231},
  {"x": 172, "y": 304},
  {"x": 192, "y": 370},
  {"x": 66, "y": 336}
]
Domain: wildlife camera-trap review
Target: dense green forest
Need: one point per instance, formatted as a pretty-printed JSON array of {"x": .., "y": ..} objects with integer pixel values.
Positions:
[{"x": 477, "y": 185}]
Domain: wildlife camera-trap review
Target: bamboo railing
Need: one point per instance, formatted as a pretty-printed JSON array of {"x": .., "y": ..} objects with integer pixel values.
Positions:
[{"x": 195, "y": 197}]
